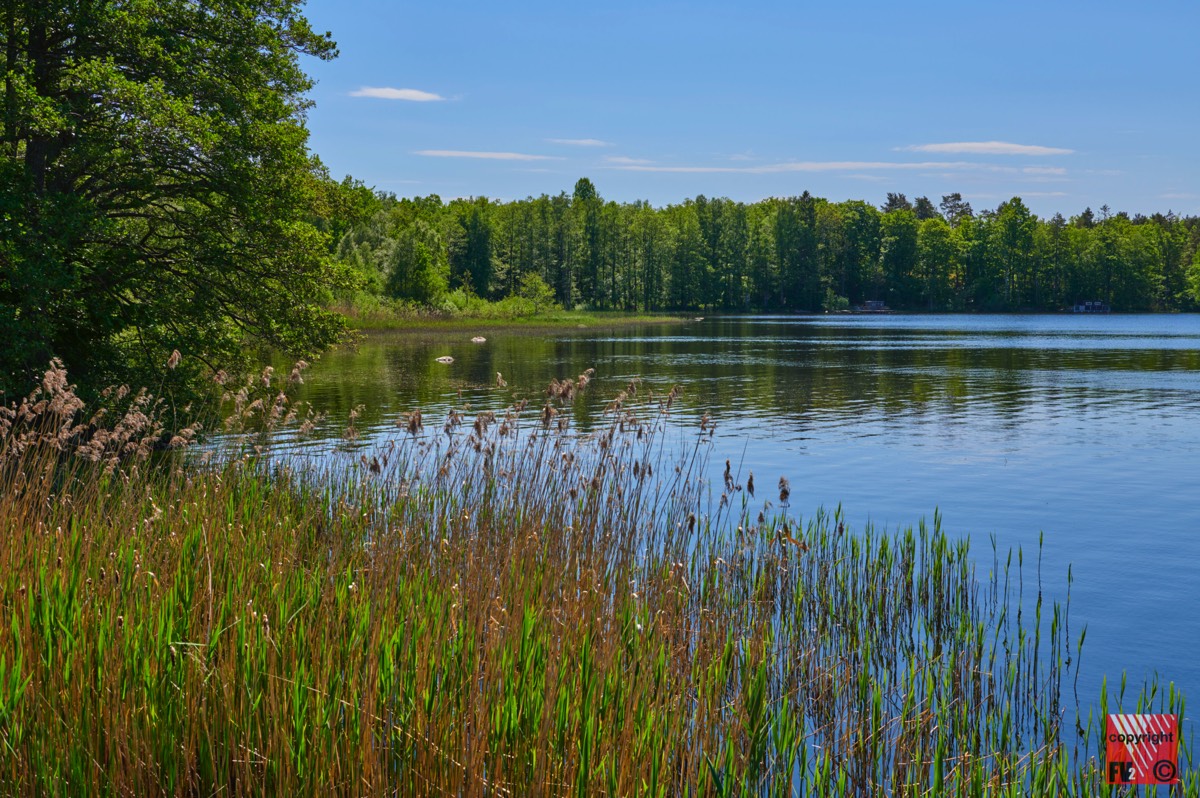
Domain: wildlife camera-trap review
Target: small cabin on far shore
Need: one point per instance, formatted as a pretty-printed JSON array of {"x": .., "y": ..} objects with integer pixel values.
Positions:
[{"x": 1093, "y": 306}]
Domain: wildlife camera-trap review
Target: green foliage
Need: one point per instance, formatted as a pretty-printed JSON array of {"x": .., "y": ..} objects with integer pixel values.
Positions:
[
  {"x": 1012, "y": 249},
  {"x": 534, "y": 289},
  {"x": 471, "y": 256},
  {"x": 937, "y": 260},
  {"x": 155, "y": 188},
  {"x": 898, "y": 256},
  {"x": 1193, "y": 277},
  {"x": 924, "y": 210},
  {"x": 417, "y": 267},
  {"x": 339, "y": 206},
  {"x": 834, "y": 303},
  {"x": 794, "y": 254},
  {"x": 955, "y": 209}
]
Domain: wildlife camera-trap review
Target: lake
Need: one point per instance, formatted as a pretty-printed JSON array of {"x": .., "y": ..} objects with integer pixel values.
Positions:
[{"x": 1084, "y": 428}]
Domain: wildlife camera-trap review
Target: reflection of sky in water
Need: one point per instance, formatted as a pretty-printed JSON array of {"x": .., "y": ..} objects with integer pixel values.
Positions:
[
  {"x": 1089, "y": 342},
  {"x": 1086, "y": 428}
]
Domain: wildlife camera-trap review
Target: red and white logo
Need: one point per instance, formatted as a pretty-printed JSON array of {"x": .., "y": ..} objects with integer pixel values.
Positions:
[{"x": 1143, "y": 749}]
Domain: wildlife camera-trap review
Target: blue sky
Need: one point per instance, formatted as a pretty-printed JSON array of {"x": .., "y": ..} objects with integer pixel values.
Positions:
[{"x": 1065, "y": 104}]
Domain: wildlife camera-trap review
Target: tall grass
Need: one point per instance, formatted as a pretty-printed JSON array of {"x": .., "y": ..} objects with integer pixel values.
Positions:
[
  {"x": 497, "y": 606},
  {"x": 465, "y": 311}
]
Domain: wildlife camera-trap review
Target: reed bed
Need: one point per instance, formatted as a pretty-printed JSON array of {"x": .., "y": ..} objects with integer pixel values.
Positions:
[{"x": 498, "y": 606}]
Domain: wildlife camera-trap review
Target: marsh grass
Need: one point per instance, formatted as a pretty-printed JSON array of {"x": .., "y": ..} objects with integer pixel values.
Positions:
[
  {"x": 512, "y": 313},
  {"x": 499, "y": 606}
]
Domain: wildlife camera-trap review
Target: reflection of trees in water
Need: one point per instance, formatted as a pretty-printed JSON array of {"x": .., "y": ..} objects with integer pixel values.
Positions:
[{"x": 738, "y": 367}]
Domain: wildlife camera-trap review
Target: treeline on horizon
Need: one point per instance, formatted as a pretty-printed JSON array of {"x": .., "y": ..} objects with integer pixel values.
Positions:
[{"x": 799, "y": 253}]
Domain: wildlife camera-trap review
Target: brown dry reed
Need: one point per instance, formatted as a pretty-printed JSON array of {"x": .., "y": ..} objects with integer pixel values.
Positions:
[{"x": 503, "y": 608}]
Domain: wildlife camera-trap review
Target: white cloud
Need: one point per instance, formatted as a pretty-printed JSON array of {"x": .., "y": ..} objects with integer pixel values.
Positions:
[
  {"x": 986, "y": 148},
  {"x": 388, "y": 93},
  {"x": 1177, "y": 195},
  {"x": 941, "y": 169},
  {"x": 1044, "y": 194},
  {"x": 581, "y": 142},
  {"x": 808, "y": 166},
  {"x": 489, "y": 156}
]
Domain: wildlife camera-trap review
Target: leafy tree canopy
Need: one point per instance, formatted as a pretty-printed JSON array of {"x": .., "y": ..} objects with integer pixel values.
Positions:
[{"x": 156, "y": 192}]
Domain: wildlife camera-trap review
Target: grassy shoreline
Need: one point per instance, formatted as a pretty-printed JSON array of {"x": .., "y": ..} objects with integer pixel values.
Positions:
[
  {"x": 377, "y": 321},
  {"x": 560, "y": 320},
  {"x": 498, "y": 606}
]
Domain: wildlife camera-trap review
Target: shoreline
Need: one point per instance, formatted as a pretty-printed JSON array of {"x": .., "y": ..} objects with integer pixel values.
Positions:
[{"x": 562, "y": 321}]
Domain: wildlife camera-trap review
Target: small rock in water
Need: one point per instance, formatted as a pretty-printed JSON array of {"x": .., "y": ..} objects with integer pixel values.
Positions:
[
  {"x": 479, "y": 339},
  {"x": 445, "y": 359}
]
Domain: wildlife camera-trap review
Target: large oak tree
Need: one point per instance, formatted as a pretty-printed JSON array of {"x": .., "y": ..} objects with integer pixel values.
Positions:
[{"x": 156, "y": 190}]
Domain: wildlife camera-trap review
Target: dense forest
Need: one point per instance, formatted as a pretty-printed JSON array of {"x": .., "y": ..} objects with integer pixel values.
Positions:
[{"x": 793, "y": 254}]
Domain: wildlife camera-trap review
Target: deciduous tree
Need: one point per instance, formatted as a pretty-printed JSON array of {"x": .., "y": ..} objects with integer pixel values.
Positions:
[{"x": 156, "y": 192}]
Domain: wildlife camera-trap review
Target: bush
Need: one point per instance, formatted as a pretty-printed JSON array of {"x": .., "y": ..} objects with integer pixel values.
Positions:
[{"x": 832, "y": 303}]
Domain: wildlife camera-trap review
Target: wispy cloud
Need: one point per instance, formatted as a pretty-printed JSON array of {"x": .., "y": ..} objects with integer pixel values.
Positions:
[
  {"x": 1177, "y": 195},
  {"x": 986, "y": 148},
  {"x": 489, "y": 156},
  {"x": 808, "y": 166},
  {"x": 941, "y": 169},
  {"x": 388, "y": 93},
  {"x": 581, "y": 142},
  {"x": 624, "y": 160},
  {"x": 1010, "y": 194}
]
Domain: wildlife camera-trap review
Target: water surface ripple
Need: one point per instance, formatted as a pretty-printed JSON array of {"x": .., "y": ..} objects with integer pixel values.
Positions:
[{"x": 1084, "y": 428}]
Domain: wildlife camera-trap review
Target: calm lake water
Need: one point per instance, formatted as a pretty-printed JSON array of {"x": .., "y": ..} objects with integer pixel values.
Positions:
[{"x": 1084, "y": 428}]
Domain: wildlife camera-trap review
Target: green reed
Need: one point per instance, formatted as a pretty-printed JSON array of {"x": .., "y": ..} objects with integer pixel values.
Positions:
[{"x": 499, "y": 606}]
